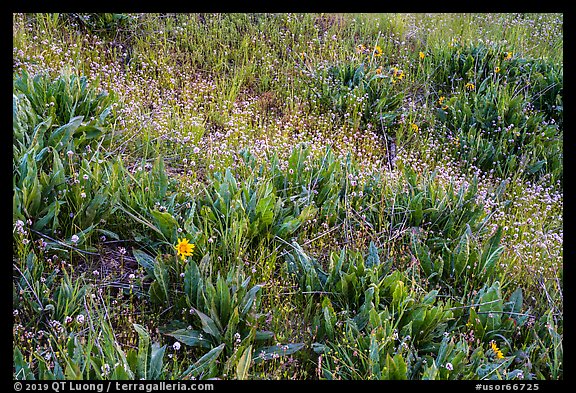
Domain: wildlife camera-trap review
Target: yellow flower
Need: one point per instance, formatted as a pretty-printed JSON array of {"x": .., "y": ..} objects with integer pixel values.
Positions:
[
  {"x": 360, "y": 48},
  {"x": 302, "y": 55},
  {"x": 496, "y": 350},
  {"x": 507, "y": 55},
  {"x": 441, "y": 99},
  {"x": 377, "y": 51},
  {"x": 470, "y": 86},
  {"x": 184, "y": 248},
  {"x": 398, "y": 74},
  {"x": 379, "y": 70},
  {"x": 422, "y": 55},
  {"x": 497, "y": 69},
  {"x": 414, "y": 127}
]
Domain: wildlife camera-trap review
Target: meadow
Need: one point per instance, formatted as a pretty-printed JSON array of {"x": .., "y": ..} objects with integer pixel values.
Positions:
[{"x": 287, "y": 196}]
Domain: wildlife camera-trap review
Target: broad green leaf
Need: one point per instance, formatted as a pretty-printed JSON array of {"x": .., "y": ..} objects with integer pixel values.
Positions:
[
  {"x": 62, "y": 135},
  {"x": 272, "y": 352},
  {"x": 372, "y": 259},
  {"x": 515, "y": 302},
  {"x": 193, "y": 338},
  {"x": 166, "y": 223},
  {"x": 209, "y": 326},
  {"x": 156, "y": 361},
  {"x": 143, "y": 351},
  {"x": 244, "y": 364},
  {"x": 144, "y": 260},
  {"x": 249, "y": 299},
  {"x": 202, "y": 365}
]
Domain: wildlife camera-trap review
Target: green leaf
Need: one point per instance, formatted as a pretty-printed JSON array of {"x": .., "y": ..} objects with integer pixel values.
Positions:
[
  {"x": 156, "y": 361},
  {"x": 162, "y": 278},
  {"x": 143, "y": 351},
  {"x": 491, "y": 253},
  {"x": 249, "y": 299},
  {"x": 209, "y": 326},
  {"x": 244, "y": 364},
  {"x": 223, "y": 299},
  {"x": 272, "y": 352},
  {"x": 491, "y": 307},
  {"x": 374, "y": 358},
  {"x": 192, "y": 282},
  {"x": 372, "y": 259},
  {"x": 515, "y": 302},
  {"x": 144, "y": 260},
  {"x": 166, "y": 223},
  {"x": 193, "y": 338},
  {"x": 61, "y": 136},
  {"x": 22, "y": 369},
  {"x": 159, "y": 177},
  {"x": 201, "y": 365}
]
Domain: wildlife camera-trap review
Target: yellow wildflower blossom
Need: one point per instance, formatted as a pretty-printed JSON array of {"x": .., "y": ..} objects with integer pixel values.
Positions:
[
  {"x": 184, "y": 248},
  {"x": 496, "y": 350}
]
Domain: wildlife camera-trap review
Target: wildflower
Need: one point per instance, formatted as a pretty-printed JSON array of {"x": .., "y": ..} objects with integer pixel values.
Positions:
[
  {"x": 470, "y": 86},
  {"x": 360, "y": 49},
  {"x": 397, "y": 74},
  {"x": 184, "y": 248},
  {"x": 507, "y": 55},
  {"x": 74, "y": 239},
  {"x": 497, "y": 69},
  {"x": 414, "y": 127},
  {"x": 496, "y": 350},
  {"x": 449, "y": 366},
  {"x": 82, "y": 195},
  {"x": 70, "y": 153},
  {"x": 80, "y": 319},
  {"x": 377, "y": 51},
  {"x": 422, "y": 55},
  {"x": 441, "y": 99},
  {"x": 379, "y": 70},
  {"x": 302, "y": 55},
  {"x": 176, "y": 346}
]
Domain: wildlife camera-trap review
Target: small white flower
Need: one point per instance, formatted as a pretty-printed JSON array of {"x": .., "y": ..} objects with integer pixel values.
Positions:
[
  {"x": 70, "y": 153},
  {"x": 74, "y": 239},
  {"x": 131, "y": 276},
  {"x": 196, "y": 150},
  {"x": 176, "y": 346},
  {"x": 85, "y": 177},
  {"x": 95, "y": 272},
  {"x": 80, "y": 319},
  {"x": 82, "y": 195},
  {"x": 449, "y": 366},
  {"x": 68, "y": 319}
]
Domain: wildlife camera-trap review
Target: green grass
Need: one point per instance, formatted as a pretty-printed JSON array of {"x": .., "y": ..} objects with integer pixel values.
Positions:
[{"x": 370, "y": 196}]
